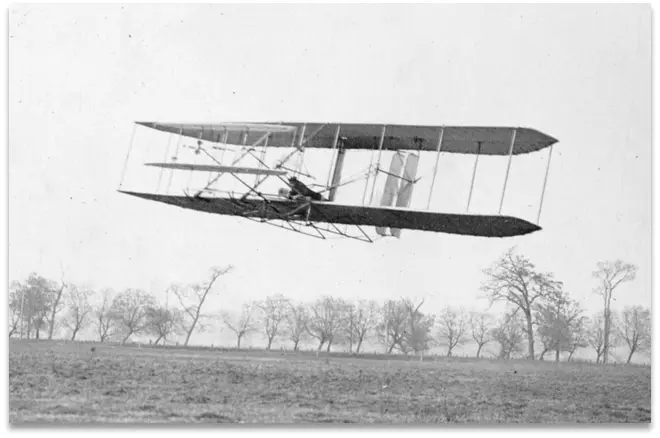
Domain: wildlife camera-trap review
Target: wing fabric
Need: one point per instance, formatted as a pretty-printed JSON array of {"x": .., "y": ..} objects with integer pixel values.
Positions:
[
  {"x": 455, "y": 139},
  {"x": 462, "y": 224}
]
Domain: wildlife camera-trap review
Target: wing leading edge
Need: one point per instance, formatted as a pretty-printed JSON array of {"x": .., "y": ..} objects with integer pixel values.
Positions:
[{"x": 462, "y": 224}]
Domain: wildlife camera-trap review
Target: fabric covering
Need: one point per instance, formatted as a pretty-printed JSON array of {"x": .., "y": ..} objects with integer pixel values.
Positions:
[
  {"x": 456, "y": 139},
  {"x": 469, "y": 225}
]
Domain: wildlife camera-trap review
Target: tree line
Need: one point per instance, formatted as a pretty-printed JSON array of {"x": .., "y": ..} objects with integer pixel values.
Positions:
[{"x": 539, "y": 313}]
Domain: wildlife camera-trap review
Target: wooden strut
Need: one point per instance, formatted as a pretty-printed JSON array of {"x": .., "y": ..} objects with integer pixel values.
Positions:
[
  {"x": 334, "y": 152},
  {"x": 545, "y": 182},
  {"x": 435, "y": 170},
  {"x": 245, "y": 152},
  {"x": 474, "y": 175},
  {"x": 199, "y": 140},
  {"x": 380, "y": 153},
  {"x": 167, "y": 151},
  {"x": 128, "y": 154},
  {"x": 176, "y": 155},
  {"x": 508, "y": 168}
]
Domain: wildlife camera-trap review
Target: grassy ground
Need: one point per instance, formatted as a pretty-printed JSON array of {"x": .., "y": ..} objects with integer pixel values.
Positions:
[{"x": 69, "y": 383}]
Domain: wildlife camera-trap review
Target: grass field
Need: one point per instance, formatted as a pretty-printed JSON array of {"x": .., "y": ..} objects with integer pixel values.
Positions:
[{"x": 70, "y": 383}]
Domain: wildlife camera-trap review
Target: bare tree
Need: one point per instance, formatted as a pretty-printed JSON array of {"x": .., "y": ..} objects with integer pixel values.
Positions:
[
  {"x": 417, "y": 337},
  {"x": 33, "y": 300},
  {"x": 514, "y": 279},
  {"x": 162, "y": 322},
  {"x": 362, "y": 317},
  {"x": 481, "y": 325},
  {"x": 193, "y": 297},
  {"x": 326, "y": 316},
  {"x": 509, "y": 334},
  {"x": 635, "y": 329},
  {"x": 129, "y": 311},
  {"x": 14, "y": 321},
  {"x": 56, "y": 306},
  {"x": 559, "y": 320},
  {"x": 273, "y": 314},
  {"x": 596, "y": 335},
  {"x": 79, "y": 310},
  {"x": 297, "y": 318},
  {"x": 102, "y": 318},
  {"x": 16, "y": 308},
  {"x": 580, "y": 337},
  {"x": 453, "y": 329},
  {"x": 393, "y": 325},
  {"x": 610, "y": 275},
  {"x": 242, "y": 323}
]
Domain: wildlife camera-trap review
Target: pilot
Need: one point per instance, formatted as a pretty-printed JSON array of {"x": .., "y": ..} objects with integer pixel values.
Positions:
[{"x": 299, "y": 189}]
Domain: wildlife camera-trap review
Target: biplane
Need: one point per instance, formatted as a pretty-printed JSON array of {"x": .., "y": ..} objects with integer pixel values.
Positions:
[{"x": 298, "y": 202}]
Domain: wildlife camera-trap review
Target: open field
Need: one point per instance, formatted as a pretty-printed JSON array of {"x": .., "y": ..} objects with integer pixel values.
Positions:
[{"x": 70, "y": 383}]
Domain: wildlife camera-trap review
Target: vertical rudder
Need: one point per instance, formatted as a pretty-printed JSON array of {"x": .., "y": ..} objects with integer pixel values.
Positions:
[
  {"x": 406, "y": 187},
  {"x": 391, "y": 186}
]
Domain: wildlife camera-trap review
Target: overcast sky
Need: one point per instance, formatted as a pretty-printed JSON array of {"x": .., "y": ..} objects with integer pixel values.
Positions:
[{"x": 80, "y": 75}]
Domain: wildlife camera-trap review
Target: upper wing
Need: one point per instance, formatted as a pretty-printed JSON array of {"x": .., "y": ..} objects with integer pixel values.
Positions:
[
  {"x": 470, "y": 225},
  {"x": 456, "y": 139}
]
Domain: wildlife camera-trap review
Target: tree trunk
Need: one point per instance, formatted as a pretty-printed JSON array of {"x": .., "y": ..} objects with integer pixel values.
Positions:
[
  {"x": 126, "y": 338},
  {"x": 479, "y": 350},
  {"x": 320, "y": 345},
  {"x": 530, "y": 335},
  {"x": 389, "y": 350},
  {"x": 270, "y": 342},
  {"x": 449, "y": 351},
  {"x": 74, "y": 333},
  {"x": 570, "y": 355},
  {"x": 545, "y": 350},
  {"x": 238, "y": 342},
  {"x": 632, "y": 351},
  {"x": 158, "y": 339},
  {"x": 295, "y": 344},
  {"x": 193, "y": 324},
  {"x": 606, "y": 334},
  {"x": 557, "y": 355},
  {"x": 359, "y": 345},
  {"x": 189, "y": 334},
  {"x": 54, "y": 312},
  {"x": 329, "y": 345}
]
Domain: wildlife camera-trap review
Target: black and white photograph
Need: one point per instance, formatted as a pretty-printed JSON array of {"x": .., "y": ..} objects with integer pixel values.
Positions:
[{"x": 329, "y": 214}]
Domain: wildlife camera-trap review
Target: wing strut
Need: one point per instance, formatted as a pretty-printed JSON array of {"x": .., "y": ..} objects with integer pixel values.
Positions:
[
  {"x": 334, "y": 147},
  {"x": 167, "y": 151},
  {"x": 435, "y": 170},
  {"x": 474, "y": 175},
  {"x": 174, "y": 158},
  {"x": 545, "y": 182},
  {"x": 380, "y": 153},
  {"x": 128, "y": 154},
  {"x": 508, "y": 168}
]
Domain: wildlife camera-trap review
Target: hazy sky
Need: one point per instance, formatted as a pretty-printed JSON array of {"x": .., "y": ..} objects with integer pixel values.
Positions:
[{"x": 80, "y": 75}]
